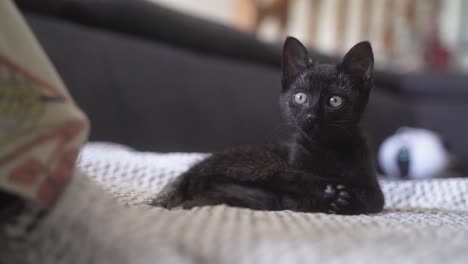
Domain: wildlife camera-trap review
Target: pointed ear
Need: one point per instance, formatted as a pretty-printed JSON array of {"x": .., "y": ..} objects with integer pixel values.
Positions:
[
  {"x": 359, "y": 62},
  {"x": 295, "y": 59}
]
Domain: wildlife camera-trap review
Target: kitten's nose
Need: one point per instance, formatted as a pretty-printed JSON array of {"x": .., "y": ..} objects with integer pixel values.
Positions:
[{"x": 310, "y": 118}]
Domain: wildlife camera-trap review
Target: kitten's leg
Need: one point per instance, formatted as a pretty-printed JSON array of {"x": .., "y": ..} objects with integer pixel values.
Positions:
[
  {"x": 195, "y": 182},
  {"x": 320, "y": 194},
  {"x": 191, "y": 189},
  {"x": 304, "y": 192},
  {"x": 299, "y": 191},
  {"x": 199, "y": 201},
  {"x": 235, "y": 195},
  {"x": 294, "y": 182}
]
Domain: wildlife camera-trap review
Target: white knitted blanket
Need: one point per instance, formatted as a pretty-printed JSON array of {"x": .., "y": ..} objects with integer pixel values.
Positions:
[{"x": 423, "y": 221}]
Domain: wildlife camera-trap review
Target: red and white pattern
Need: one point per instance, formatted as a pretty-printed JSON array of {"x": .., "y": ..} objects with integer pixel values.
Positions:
[{"x": 37, "y": 162}]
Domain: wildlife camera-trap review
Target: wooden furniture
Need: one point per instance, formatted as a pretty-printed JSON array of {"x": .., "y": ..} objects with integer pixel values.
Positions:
[{"x": 249, "y": 14}]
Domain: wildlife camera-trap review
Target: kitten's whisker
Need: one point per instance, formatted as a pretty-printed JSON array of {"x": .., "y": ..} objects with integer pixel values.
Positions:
[
  {"x": 341, "y": 127},
  {"x": 310, "y": 137},
  {"x": 345, "y": 121}
]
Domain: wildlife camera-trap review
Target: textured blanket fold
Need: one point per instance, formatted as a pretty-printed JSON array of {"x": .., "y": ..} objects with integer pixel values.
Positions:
[
  {"x": 103, "y": 217},
  {"x": 422, "y": 221}
]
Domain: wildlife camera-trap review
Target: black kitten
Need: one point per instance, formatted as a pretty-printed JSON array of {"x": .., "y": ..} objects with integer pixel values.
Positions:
[{"x": 327, "y": 168}]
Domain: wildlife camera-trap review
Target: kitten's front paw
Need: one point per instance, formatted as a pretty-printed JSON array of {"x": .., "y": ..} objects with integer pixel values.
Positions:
[{"x": 339, "y": 196}]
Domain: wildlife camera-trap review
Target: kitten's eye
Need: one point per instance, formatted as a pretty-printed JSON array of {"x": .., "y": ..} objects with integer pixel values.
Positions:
[
  {"x": 335, "y": 101},
  {"x": 300, "y": 98}
]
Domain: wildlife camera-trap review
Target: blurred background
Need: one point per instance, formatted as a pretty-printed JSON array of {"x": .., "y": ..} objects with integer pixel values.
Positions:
[
  {"x": 184, "y": 76},
  {"x": 409, "y": 35}
]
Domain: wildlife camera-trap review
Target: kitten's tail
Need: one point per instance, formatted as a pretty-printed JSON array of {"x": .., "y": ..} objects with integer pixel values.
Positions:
[{"x": 171, "y": 195}]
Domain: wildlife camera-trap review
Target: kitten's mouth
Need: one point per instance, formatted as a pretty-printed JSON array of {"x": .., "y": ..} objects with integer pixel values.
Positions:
[
  {"x": 311, "y": 127},
  {"x": 323, "y": 130}
]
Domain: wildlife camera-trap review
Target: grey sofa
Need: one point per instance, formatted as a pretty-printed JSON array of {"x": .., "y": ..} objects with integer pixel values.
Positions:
[{"x": 159, "y": 80}]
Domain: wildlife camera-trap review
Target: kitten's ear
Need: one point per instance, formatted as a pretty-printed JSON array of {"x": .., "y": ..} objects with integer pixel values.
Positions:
[
  {"x": 295, "y": 59},
  {"x": 359, "y": 62}
]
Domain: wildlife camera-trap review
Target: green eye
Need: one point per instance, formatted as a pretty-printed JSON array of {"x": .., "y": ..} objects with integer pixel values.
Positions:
[
  {"x": 335, "y": 101},
  {"x": 300, "y": 98}
]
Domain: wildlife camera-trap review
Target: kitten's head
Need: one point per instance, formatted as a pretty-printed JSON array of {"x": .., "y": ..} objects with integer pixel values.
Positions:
[{"x": 325, "y": 99}]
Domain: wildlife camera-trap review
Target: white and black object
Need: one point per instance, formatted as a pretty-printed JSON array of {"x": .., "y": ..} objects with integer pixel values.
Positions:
[{"x": 414, "y": 153}]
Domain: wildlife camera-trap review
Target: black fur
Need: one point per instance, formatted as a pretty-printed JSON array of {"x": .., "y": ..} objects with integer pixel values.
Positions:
[{"x": 326, "y": 168}]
